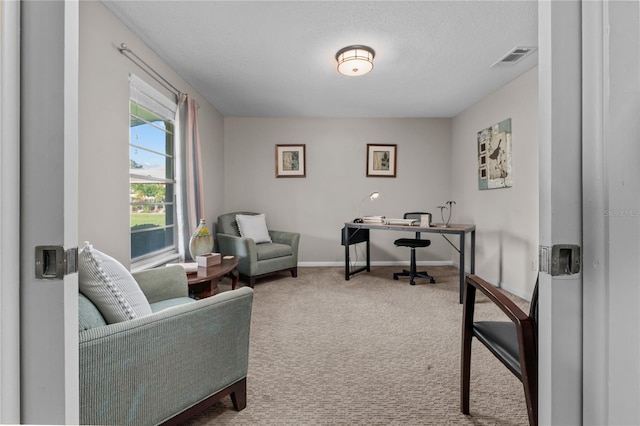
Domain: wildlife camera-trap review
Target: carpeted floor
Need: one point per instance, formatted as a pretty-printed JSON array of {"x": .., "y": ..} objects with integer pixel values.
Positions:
[{"x": 371, "y": 350}]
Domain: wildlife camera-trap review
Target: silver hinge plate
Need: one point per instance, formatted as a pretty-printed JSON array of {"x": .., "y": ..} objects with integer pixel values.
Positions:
[
  {"x": 54, "y": 262},
  {"x": 560, "y": 259}
]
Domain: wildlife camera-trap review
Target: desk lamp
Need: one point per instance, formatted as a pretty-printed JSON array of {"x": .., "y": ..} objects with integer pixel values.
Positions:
[{"x": 372, "y": 197}]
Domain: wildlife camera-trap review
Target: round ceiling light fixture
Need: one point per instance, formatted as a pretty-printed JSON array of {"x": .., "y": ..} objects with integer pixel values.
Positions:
[{"x": 355, "y": 60}]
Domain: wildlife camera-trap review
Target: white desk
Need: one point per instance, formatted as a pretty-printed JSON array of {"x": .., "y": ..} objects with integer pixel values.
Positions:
[{"x": 352, "y": 234}]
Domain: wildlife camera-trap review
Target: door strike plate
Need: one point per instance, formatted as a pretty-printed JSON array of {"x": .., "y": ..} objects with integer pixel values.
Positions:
[
  {"x": 54, "y": 262},
  {"x": 560, "y": 259}
]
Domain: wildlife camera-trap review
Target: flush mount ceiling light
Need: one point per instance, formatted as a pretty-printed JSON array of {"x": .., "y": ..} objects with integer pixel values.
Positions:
[{"x": 355, "y": 60}]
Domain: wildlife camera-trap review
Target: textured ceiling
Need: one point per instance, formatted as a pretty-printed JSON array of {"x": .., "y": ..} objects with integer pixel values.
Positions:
[{"x": 266, "y": 59}]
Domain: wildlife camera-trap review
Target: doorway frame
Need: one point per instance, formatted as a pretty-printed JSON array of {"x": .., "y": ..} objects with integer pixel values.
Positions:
[
  {"x": 49, "y": 77},
  {"x": 9, "y": 212}
]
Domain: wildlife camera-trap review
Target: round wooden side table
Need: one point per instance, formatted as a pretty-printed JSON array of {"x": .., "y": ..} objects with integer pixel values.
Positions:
[{"x": 204, "y": 282}]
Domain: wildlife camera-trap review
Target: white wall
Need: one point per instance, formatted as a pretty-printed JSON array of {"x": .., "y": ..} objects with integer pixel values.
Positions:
[
  {"x": 506, "y": 219},
  {"x": 104, "y": 130},
  {"x": 317, "y": 206}
]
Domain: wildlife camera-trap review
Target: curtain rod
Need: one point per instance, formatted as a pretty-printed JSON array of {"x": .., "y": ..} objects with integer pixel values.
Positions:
[{"x": 124, "y": 49}]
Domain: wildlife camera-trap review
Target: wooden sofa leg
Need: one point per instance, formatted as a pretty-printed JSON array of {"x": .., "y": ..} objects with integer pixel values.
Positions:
[
  {"x": 294, "y": 272},
  {"x": 252, "y": 281},
  {"x": 237, "y": 392},
  {"x": 239, "y": 395}
]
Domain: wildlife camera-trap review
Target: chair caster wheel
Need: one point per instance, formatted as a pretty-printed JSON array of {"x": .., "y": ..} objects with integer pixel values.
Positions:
[
  {"x": 432, "y": 281},
  {"x": 412, "y": 282},
  {"x": 395, "y": 277}
]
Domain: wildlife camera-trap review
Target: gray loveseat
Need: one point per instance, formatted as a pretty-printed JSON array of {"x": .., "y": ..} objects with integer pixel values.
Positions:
[{"x": 168, "y": 365}]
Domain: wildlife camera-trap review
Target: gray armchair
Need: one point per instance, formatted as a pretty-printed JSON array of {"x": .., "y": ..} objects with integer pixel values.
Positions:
[
  {"x": 166, "y": 366},
  {"x": 258, "y": 260}
]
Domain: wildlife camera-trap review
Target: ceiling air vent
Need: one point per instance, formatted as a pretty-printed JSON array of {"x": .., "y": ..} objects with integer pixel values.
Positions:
[{"x": 515, "y": 55}]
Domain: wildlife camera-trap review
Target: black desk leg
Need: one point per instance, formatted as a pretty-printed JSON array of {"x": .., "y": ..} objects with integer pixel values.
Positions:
[
  {"x": 368, "y": 255},
  {"x": 345, "y": 238},
  {"x": 473, "y": 252},
  {"x": 351, "y": 236}
]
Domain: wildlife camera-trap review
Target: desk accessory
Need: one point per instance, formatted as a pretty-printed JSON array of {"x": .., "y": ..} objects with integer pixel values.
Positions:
[
  {"x": 407, "y": 222},
  {"x": 371, "y": 197},
  {"x": 373, "y": 219},
  {"x": 449, "y": 208},
  {"x": 209, "y": 259},
  {"x": 189, "y": 267}
]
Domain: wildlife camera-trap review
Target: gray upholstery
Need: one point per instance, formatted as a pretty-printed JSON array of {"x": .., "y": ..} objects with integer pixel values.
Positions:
[
  {"x": 165, "y": 283},
  {"x": 258, "y": 260},
  {"x": 147, "y": 370},
  {"x": 88, "y": 315}
]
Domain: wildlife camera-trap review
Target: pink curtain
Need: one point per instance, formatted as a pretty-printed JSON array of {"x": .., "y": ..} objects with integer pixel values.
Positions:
[{"x": 190, "y": 191}]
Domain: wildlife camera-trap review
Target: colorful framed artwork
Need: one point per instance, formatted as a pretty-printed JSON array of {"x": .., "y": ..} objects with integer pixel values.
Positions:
[
  {"x": 494, "y": 156},
  {"x": 290, "y": 161},
  {"x": 381, "y": 160}
]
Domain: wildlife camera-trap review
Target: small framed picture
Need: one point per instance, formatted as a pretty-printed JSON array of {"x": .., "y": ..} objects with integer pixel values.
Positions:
[
  {"x": 290, "y": 161},
  {"x": 381, "y": 160}
]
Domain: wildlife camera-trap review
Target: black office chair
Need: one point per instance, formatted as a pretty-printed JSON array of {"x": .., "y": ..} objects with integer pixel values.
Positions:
[
  {"x": 514, "y": 343},
  {"x": 413, "y": 243}
]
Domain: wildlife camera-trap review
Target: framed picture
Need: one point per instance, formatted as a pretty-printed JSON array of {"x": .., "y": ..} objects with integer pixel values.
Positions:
[
  {"x": 381, "y": 160},
  {"x": 495, "y": 168},
  {"x": 290, "y": 161}
]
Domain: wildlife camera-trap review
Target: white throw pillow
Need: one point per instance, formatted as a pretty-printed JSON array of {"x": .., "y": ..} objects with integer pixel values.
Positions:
[
  {"x": 110, "y": 286},
  {"x": 253, "y": 226}
]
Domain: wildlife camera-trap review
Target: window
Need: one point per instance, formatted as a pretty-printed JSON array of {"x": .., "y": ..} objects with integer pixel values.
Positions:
[{"x": 152, "y": 174}]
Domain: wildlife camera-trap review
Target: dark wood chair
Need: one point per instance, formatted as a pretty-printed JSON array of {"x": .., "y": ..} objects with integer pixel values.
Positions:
[{"x": 514, "y": 342}]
